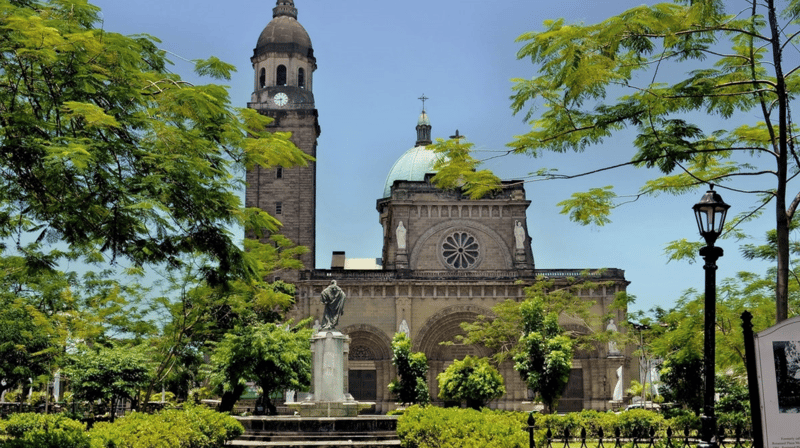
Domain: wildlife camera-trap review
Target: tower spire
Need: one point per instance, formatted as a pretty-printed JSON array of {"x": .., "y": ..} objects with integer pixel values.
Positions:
[
  {"x": 284, "y": 8},
  {"x": 423, "y": 125}
]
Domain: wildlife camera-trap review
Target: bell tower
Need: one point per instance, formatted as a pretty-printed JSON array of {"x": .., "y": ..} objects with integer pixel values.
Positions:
[{"x": 283, "y": 66}]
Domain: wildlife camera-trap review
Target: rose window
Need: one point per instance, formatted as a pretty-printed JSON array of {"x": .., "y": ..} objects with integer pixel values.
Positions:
[{"x": 460, "y": 250}]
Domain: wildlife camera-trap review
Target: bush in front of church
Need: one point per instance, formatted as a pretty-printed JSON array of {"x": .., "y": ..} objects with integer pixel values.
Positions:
[
  {"x": 411, "y": 386},
  {"x": 473, "y": 380},
  {"x": 189, "y": 427},
  {"x": 30, "y": 430},
  {"x": 432, "y": 426}
]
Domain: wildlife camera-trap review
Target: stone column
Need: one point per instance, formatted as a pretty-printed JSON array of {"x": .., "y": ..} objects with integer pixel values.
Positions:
[{"x": 329, "y": 366}]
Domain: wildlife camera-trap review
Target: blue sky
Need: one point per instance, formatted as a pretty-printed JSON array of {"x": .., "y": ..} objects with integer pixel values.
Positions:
[{"x": 375, "y": 58}]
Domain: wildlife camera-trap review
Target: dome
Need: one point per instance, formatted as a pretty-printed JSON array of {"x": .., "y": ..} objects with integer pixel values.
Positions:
[
  {"x": 412, "y": 165},
  {"x": 283, "y": 30},
  {"x": 423, "y": 119}
]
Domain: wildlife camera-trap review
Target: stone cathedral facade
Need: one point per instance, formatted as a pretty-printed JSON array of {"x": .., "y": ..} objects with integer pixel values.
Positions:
[{"x": 446, "y": 258}]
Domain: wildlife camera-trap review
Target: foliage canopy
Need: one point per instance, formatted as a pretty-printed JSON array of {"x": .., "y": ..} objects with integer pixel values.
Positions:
[
  {"x": 103, "y": 149},
  {"x": 661, "y": 72},
  {"x": 412, "y": 368},
  {"x": 473, "y": 380}
]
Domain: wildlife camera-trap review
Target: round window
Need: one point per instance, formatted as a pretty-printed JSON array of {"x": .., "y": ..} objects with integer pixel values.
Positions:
[{"x": 460, "y": 250}]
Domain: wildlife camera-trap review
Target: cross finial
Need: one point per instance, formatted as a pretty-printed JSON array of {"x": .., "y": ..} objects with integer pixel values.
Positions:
[{"x": 423, "y": 98}]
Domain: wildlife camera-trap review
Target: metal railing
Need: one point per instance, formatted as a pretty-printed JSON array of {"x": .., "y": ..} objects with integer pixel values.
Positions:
[{"x": 668, "y": 438}]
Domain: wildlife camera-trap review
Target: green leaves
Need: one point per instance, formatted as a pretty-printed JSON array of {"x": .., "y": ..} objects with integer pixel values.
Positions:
[
  {"x": 276, "y": 357},
  {"x": 471, "y": 379},
  {"x": 412, "y": 368},
  {"x": 117, "y": 156},
  {"x": 591, "y": 207},
  {"x": 544, "y": 359},
  {"x": 214, "y": 68},
  {"x": 108, "y": 373},
  {"x": 456, "y": 168}
]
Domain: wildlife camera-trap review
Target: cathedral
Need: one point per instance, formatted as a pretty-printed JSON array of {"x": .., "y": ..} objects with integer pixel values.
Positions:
[{"x": 446, "y": 259}]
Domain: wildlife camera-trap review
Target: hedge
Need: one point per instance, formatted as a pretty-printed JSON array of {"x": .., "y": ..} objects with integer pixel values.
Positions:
[
  {"x": 189, "y": 427},
  {"x": 43, "y": 431},
  {"x": 431, "y": 426}
]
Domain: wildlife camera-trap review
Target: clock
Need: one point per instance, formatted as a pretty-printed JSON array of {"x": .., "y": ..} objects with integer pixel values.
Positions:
[{"x": 280, "y": 99}]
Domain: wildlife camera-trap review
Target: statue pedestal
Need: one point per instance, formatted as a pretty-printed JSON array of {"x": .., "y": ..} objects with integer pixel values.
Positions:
[
  {"x": 520, "y": 260},
  {"x": 402, "y": 259},
  {"x": 329, "y": 397}
]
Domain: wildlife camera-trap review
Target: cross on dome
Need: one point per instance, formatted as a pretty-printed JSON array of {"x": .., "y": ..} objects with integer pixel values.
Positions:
[{"x": 423, "y": 98}]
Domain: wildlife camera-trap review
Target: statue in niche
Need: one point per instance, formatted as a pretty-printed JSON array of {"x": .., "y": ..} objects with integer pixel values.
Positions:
[
  {"x": 404, "y": 328},
  {"x": 401, "y": 235},
  {"x": 519, "y": 235},
  {"x": 333, "y": 298},
  {"x": 612, "y": 345}
]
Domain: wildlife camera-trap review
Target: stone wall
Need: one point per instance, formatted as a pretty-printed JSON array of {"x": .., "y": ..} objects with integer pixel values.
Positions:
[
  {"x": 293, "y": 188},
  {"x": 433, "y": 310}
]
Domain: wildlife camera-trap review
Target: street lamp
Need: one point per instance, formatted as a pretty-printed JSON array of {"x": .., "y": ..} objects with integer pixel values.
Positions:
[
  {"x": 710, "y": 213},
  {"x": 644, "y": 363}
]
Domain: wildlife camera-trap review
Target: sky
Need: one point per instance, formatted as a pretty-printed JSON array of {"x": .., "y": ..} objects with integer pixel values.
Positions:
[{"x": 376, "y": 58}]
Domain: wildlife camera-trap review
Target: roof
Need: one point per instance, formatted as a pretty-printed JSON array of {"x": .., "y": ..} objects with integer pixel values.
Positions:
[
  {"x": 412, "y": 165},
  {"x": 284, "y": 30}
]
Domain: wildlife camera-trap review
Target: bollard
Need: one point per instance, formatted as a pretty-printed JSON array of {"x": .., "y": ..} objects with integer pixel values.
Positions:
[{"x": 531, "y": 421}]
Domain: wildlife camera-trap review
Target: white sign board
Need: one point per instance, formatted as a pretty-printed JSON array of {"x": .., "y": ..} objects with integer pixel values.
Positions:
[{"x": 778, "y": 364}]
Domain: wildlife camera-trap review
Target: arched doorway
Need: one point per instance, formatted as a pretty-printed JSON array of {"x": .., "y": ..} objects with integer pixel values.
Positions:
[
  {"x": 444, "y": 326},
  {"x": 369, "y": 365}
]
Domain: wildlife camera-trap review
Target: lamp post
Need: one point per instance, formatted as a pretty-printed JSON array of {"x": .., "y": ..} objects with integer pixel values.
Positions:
[
  {"x": 710, "y": 213},
  {"x": 644, "y": 364}
]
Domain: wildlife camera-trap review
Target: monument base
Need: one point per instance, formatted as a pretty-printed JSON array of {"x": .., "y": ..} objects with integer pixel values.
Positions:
[
  {"x": 329, "y": 408},
  {"x": 329, "y": 396}
]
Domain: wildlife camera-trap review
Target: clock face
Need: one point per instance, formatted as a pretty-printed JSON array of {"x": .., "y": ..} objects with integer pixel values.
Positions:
[{"x": 280, "y": 99}]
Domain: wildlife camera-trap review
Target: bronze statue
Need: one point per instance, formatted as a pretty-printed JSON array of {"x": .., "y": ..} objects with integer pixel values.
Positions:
[{"x": 333, "y": 298}]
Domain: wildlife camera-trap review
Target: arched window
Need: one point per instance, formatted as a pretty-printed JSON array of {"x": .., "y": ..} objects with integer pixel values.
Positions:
[
  {"x": 281, "y": 78},
  {"x": 262, "y": 78},
  {"x": 301, "y": 78}
]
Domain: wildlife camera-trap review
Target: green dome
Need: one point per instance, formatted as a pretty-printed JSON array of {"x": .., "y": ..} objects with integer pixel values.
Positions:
[{"x": 412, "y": 165}]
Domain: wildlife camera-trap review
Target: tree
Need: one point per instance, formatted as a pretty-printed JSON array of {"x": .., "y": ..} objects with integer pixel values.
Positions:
[
  {"x": 473, "y": 380},
  {"x": 595, "y": 80},
  {"x": 28, "y": 345},
  {"x": 544, "y": 359},
  {"x": 500, "y": 332},
  {"x": 275, "y": 357},
  {"x": 44, "y": 311},
  {"x": 108, "y": 374},
  {"x": 412, "y": 368},
  {"x": 734, "y": 62},
  {"x": 543, "y": 354},
  {"x": 103, "y": 149},
  {"x": 676, "y": 335},
  {"x": 200, "y": 314}
]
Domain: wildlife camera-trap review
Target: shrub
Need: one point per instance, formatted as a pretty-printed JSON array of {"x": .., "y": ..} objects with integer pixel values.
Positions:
[
  {"x": 190, "y": 427},
  {"x": 43, "y": 431},
  {"x": 639, "y": 422},
  {"x": 13, "y": 395},
  {"x": 169, "y": 397},
  {"x": 430, "y": 426},
  {"x": 683, "y": 418},
  {"x": 411, "y": 386},
  {"x": 471, "y": 379}
]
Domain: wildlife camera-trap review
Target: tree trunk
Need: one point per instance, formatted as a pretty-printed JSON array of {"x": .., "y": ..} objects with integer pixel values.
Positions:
[
  {"x": 230, "y": 398},
  {"x": 781, "y": 215}
]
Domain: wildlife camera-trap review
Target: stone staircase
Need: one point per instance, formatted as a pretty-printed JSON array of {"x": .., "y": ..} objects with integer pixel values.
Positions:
[{"x": 319, "y": 432}]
